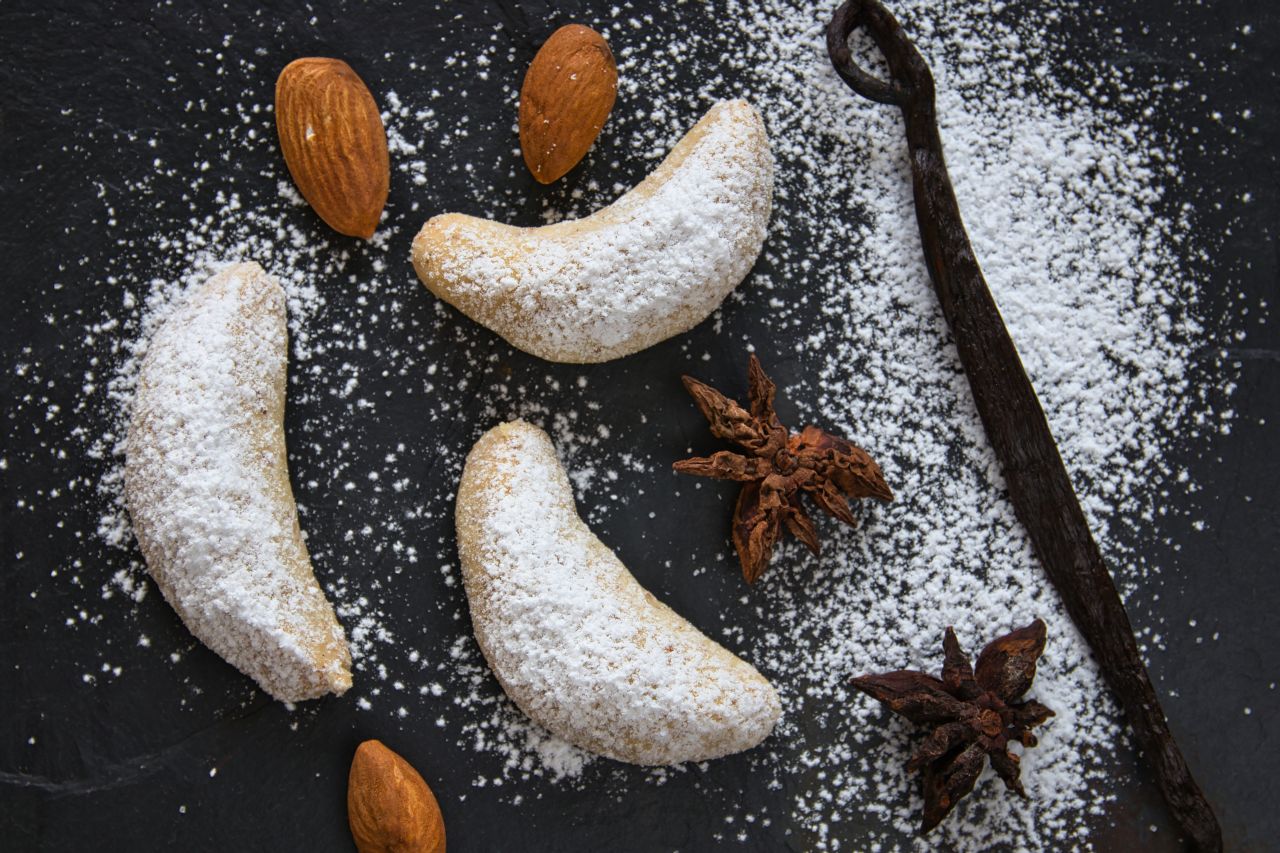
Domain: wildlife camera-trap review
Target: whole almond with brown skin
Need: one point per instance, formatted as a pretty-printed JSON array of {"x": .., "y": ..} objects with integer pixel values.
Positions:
[
  {"x": 334, "y": 143},
  {"x": 389, "y": 807},
  {"x": 568, "y": 92}
]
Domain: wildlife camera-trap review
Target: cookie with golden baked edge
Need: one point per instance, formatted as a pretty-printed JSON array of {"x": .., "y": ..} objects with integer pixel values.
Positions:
[
  {"x": 574, "y": 640},
  {"x": 208, "y": 493},
  {"x": 652, "y": 265}
]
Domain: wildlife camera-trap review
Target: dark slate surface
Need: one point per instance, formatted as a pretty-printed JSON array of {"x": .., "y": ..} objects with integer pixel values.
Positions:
[{"x": 111, "y": 766}]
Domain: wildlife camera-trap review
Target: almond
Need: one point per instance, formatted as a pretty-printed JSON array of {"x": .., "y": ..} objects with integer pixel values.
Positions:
[
  {"x": 568, "y": 92},
  {"x": 389, "y": 807},
  {"x": 334, "y": 143}
]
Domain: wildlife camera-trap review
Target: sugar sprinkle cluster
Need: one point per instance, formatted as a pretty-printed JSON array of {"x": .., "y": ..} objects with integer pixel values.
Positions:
[{"x": 1064, "y": 193}]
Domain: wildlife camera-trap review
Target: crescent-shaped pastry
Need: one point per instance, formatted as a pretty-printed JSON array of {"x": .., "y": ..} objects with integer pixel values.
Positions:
[
  {"x": 574, "y": 640},
  {"x": 653, "y": 264},
  {"x": 207, "y": 488}
]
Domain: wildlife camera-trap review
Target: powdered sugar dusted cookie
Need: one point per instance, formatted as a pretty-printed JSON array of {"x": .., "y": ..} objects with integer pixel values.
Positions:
[
  {"x": 575, "y": 641},
  {"x": 207, "y": 487},
  {"x": 651, "y": 265}
]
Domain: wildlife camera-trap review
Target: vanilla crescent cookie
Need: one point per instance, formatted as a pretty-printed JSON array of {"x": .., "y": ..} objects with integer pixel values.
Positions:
[
  {"x": 653, "y": 264},
  {"x": 574, "y": 640},
  {"x": 207, "y": 488}
]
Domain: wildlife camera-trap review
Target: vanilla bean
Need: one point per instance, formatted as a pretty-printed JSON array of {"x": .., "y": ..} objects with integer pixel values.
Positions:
[{"x": 1039, "y": 486}]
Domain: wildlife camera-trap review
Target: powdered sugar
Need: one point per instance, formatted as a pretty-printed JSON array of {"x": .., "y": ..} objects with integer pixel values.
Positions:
[
  {"x": 1064, "y": 198},
  {"x": 206, "y": 484},
  {"x": 577, "y": 644},
  {"x": 651, "y": 265}
]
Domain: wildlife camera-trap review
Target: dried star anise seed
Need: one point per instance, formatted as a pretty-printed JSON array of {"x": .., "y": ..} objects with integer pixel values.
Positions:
[
  {"x": 971, "y": 712},
  {"x": 776, "y": 468}
]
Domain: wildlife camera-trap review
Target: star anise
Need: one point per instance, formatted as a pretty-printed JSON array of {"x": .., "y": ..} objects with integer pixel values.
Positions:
[
  {"x": 972, "y": 714},
  {"x": 777, "y": 467}
]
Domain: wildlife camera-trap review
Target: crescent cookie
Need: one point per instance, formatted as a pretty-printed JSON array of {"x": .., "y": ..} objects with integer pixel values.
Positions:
[
  {"x": 574, "y": 640},
  {"x": 207, "y": 488},
  {"x": 653, "y": 264}
]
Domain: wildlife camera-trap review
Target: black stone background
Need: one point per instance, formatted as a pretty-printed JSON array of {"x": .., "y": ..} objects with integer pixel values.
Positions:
[{"x": 113, "y": 764}]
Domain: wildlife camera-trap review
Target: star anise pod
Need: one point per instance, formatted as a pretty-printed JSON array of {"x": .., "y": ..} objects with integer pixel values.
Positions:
[
  {"x": 972, "y": 714},
  {"x": 776, "y": 468}
]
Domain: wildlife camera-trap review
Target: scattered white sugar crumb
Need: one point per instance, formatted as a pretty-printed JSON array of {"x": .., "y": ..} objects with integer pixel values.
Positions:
[
  {"x": 1062, "y": 203},
  {"x": 1067, "y": 201}
]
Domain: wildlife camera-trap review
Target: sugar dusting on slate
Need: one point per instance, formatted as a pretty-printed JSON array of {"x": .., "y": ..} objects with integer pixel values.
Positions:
[{"x": 1062, "y": 198}]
